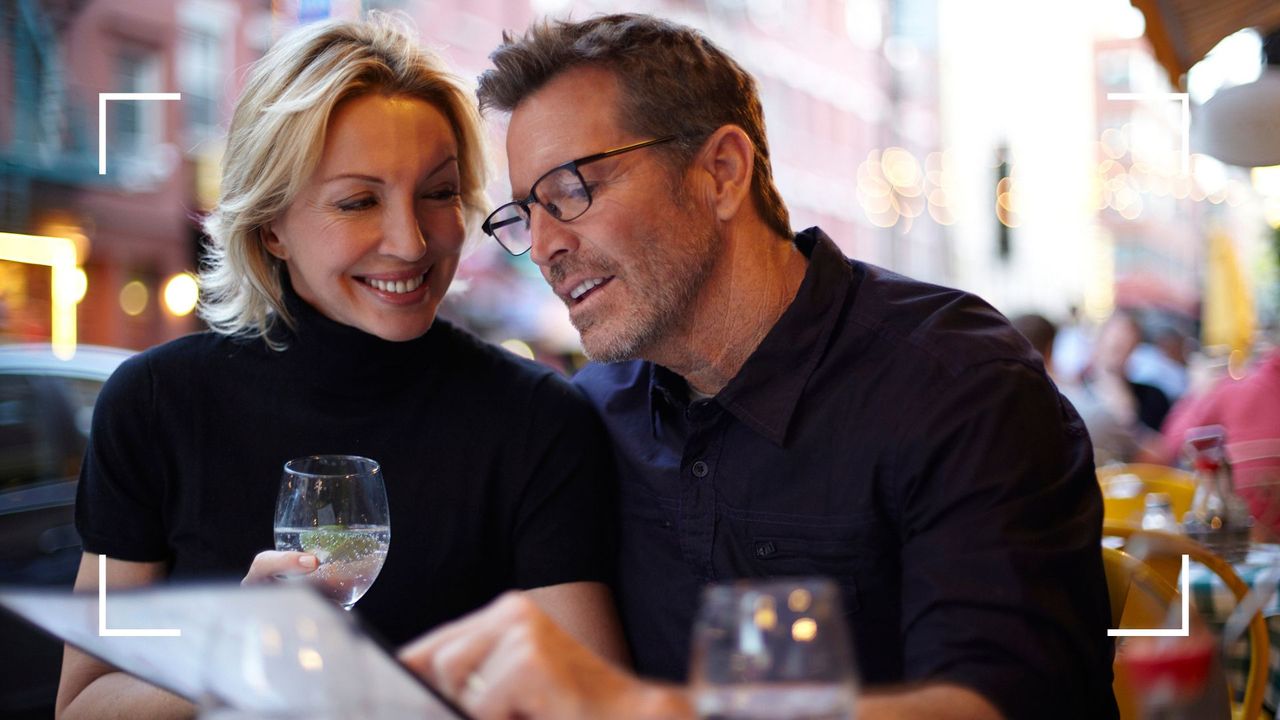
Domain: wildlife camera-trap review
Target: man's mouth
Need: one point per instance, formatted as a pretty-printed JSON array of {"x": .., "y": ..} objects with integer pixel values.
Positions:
[{"x": 587, "y": 287}]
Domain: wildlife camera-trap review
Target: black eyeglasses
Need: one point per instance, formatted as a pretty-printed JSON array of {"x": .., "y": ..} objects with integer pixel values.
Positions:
[{"x": 561, "y": 191}]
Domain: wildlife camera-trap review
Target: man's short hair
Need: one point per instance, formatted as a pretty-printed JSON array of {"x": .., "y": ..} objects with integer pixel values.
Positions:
[{"x": 674, "y": 81}]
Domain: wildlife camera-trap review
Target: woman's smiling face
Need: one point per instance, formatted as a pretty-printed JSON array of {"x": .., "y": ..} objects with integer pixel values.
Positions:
[{"x": 374, "y": 237}]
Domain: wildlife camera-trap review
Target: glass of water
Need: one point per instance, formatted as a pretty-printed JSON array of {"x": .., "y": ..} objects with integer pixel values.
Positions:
[
  {"x": 775, "y": 649},
  {"x": 335, "y": 507}
]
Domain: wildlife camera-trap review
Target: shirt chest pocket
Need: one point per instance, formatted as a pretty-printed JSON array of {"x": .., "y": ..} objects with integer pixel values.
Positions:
[{"x": 776, "y": 555}]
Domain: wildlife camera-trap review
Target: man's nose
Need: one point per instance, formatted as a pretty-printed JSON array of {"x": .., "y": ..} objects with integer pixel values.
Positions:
[{"x": 549, "y": 237}]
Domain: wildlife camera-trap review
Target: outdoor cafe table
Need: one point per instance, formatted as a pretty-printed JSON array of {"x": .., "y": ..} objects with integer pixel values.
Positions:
[{"x": 1215, "y": 602}]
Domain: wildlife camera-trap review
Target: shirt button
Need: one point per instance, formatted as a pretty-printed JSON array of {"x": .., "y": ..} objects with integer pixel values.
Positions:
[{"x": 700, "y": 469}]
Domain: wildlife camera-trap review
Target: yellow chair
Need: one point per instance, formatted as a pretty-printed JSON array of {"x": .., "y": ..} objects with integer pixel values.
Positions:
[
  {"x": 1125, "y": 489},
  {"x": 1166, "y": 546},
  {"x": 1140, "y": 598}
]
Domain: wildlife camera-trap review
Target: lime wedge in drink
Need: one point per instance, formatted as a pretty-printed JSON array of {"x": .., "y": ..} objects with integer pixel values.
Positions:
[{"x": 331, "y": 543}]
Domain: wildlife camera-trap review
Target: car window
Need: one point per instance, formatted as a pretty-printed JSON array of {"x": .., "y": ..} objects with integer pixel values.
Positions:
[
  {"x": 83, "y": 394},
  {"x": 44, "y": 423}
]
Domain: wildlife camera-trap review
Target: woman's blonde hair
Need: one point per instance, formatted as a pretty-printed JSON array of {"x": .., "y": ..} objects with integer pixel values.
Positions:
[{"x": 276, "y": 138}]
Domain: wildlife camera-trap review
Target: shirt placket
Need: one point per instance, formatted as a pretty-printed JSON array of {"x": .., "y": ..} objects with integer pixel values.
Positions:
[{"x": 698, "y": 467}]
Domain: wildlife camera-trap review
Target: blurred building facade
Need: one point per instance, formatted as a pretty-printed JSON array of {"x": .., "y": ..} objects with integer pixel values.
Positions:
[
  {"x": 1081, "y": 184},
  {"x": 970, "y": 143},
  {"x": 135, "y": 226},
  {"x": 850, "y": 92}
]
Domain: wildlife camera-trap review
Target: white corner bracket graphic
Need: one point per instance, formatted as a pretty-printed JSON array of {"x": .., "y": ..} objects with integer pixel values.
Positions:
[
  {"x": 102, "y": 118},
  {"x": 103, "y": 630},
  {"x": 1183, "y": 631},
  {"x": 1183, "y": 98}
]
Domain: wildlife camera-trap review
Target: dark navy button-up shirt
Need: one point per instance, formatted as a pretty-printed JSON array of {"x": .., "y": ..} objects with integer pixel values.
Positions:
[{"x": 901, "y": 438}]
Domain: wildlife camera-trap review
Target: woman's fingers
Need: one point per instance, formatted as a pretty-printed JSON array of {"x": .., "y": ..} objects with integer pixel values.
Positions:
[{"x": 270, "y": 564}]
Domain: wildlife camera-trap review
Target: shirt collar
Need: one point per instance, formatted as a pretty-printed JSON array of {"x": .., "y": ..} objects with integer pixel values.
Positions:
[{"x": 765, "y": 392}]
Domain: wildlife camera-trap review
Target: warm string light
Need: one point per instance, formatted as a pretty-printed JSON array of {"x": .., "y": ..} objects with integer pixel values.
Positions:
[
  {"x": 1128, "y": 188},
  {"x": 894, "y": 189},
  {"x": 181, "y": 293},
  {"x": 1008, "y": 201}
]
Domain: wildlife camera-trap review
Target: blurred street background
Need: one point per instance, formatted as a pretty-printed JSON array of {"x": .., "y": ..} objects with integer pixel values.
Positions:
[
  {"x": 972, "y": 144},
  {"x": 1106, "y": 174}
]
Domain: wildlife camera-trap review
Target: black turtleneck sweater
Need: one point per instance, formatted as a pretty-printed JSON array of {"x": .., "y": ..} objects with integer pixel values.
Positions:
[{"x": 497, "y": 471}]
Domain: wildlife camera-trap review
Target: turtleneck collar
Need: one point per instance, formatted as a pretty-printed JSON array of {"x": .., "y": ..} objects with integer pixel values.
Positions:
[{"x": 336, "y": 355}]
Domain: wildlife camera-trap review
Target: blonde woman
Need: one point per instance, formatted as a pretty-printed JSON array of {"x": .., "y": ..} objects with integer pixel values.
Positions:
[{"x": 354, "y": 168}]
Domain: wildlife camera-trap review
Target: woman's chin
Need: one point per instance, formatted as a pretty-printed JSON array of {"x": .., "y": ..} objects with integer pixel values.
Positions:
[{"x": 402, "y": 331}]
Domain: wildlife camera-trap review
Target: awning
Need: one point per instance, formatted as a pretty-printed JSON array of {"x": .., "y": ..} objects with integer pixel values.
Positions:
[{"x": 1184, "y": 31}]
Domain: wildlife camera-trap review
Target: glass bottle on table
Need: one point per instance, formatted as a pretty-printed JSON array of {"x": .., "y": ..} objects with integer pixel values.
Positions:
[
  {"x": 1158, "y": 514},
  {"x": 1219, "y": 518}
]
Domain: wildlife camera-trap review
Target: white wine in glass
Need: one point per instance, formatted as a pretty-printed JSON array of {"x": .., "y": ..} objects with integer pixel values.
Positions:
[{"x": 335, "y": 507}]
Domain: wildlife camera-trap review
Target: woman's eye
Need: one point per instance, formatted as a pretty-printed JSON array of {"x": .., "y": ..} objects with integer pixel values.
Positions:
[
  {"x": 442, "y": 194},
  {"x": 358, "y": 204}
]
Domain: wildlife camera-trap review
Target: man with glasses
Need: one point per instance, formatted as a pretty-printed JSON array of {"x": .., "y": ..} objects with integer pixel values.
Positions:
[{"x": 777, "y": 409}]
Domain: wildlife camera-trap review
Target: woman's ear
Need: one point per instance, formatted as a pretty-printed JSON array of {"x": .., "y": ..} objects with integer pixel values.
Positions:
[
  {"x": 272, "y": 242},
  {"x": 728, "y": 157}
]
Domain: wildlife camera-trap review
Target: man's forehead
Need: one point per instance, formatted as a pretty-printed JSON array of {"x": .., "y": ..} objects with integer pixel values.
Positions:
[{"x": 574, "y": 114}]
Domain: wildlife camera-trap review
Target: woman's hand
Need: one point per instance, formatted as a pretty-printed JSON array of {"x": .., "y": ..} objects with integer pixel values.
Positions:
[{"x": 273, "y": 564}]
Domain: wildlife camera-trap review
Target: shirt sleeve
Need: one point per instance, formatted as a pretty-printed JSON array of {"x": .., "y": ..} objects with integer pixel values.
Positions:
[
  {"x": 120, "y": 493},
  {"x": 564, "y": 529},
  {"x": 1003, "y": 587}
]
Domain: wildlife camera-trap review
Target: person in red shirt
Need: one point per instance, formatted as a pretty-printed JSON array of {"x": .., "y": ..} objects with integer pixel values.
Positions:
[{"x": 1249, "y": 409}]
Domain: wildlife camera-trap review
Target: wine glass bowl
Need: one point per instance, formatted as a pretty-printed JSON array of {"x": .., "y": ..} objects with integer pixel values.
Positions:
[
  {"x": 772, "y": 649},
  {"x": 335, "y": 507}
]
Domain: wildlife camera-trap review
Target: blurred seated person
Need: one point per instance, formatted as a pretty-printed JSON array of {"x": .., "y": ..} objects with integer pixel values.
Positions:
[
  {"x": 1249, "y": 409},
  {"x": 1162, "y": 362},
  {"x": 1072, "y": 345},
  {"x": 353, "y": 168},
  {"x": 1105, "y": 403},
  {"x": 1107, "y": 376}
]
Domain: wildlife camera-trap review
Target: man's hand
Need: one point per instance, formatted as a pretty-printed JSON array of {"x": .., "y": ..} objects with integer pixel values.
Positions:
[{"x": 511, "y": 660}]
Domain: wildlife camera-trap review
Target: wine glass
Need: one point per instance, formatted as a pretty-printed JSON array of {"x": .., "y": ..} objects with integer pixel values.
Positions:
[
  {"x": 772, "y": 649},
  {"x": 335, "y": 507}
]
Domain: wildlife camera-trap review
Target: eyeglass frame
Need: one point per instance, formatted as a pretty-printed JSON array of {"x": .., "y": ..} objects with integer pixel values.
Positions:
[{"x": 572, "y": 166}]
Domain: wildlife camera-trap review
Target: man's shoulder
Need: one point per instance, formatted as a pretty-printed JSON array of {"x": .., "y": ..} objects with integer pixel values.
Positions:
[{"x": 950, "y": 329}]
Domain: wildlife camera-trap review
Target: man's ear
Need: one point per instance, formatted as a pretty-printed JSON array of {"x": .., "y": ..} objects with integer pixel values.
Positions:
[
  {"x": 271, "y": 241},
  {"x": 728, "y": 157}
]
